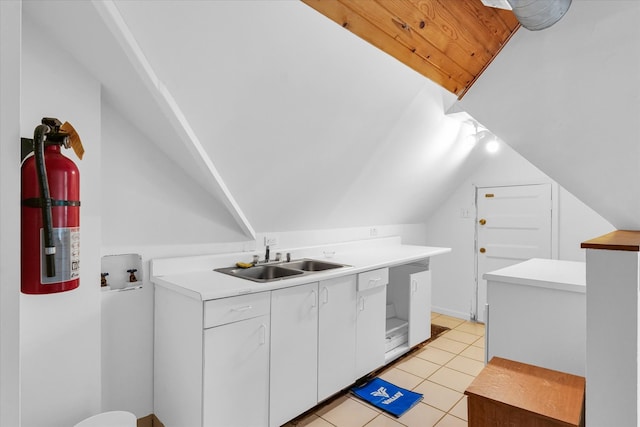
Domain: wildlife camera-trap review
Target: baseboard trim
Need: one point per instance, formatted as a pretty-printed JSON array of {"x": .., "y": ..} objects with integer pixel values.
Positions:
[{"x": 452, "y": 313}]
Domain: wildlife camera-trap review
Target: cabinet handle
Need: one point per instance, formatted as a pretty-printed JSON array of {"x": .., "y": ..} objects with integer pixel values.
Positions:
[
  {"x": 415, "y": 286},
  {"x": 361, "y": 303},
  {"x": 326, "y": 295},
  {"x": 374, "y": 281},
  {"x": 263, "y": 334},
  {"x": 313, "y": 301},
  {"x": 243, "y": 308}
]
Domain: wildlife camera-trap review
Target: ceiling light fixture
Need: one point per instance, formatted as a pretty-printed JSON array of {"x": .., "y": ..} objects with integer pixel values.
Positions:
[
  {"x": 492, "y": 146},
  {"x": 533, "y": 15},
  {"x": 491, "y": 143}
]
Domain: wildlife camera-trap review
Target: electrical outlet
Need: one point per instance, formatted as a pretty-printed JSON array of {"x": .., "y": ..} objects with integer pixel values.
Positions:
[
  {"x": 373, "y": 232},
  {"x": 271, "y": 240}
]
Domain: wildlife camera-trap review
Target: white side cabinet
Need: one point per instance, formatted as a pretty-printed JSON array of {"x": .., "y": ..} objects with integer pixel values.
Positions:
[
  {"x": 370, "y": 323},
  {"x": 526, "y": 301},
  {"x": 294, "y": 352},
  {"x": 211, "y": 360}
]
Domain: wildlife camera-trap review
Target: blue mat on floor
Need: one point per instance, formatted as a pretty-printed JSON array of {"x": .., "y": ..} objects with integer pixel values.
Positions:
[{"x": 386, "y": 396}]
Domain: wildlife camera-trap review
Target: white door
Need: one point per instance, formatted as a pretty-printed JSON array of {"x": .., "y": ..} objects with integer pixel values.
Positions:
[
  {"x": 370, "y": 329},
  {"x": 336, "y": 335},
  {"x": 513, "y": 225},
  {"x": 294, "y": 352},
  {"x": 420, "y": 307}
]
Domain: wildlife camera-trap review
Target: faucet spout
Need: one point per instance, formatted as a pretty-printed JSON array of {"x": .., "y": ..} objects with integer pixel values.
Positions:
[{"x": 266, "y": 254}]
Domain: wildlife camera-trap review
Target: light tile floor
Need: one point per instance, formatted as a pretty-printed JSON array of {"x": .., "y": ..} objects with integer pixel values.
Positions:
[{"x": 441, "y": 371}]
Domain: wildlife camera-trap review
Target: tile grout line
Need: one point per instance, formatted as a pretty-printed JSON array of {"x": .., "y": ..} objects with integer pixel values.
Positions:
[{"x": 439, "y": 366}]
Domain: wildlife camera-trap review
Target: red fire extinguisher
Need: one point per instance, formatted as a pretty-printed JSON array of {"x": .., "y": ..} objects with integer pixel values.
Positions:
[{"x": 50, "y": 226}]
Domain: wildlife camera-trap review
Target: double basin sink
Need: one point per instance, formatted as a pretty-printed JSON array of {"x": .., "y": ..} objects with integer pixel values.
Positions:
[{"x": 282, "y": 270}]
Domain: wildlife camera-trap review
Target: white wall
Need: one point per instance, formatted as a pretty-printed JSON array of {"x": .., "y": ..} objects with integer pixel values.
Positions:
[
  {"x": 454, "y": 273},
  {"x": 309, "y": 138},
  {"x": 568, "y": 99},
  {"x": 10, "y": 23},
  {"x": 152, "y": 208},
  {"x": 612, "y": 338},
  {"x": 147, "y": 199},
  {"x": 60, "y": 333}
]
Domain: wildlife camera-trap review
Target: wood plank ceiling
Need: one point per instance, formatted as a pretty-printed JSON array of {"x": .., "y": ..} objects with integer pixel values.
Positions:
[{"x": 450, "y": 42}]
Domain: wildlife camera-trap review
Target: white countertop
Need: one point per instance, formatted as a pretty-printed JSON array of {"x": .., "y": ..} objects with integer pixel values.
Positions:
[
  {"x": 209, "y": 284},
  {"x": 544, "y": 273}
]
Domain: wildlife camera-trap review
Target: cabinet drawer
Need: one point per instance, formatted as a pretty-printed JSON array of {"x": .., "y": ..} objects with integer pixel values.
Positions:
[
  {"x": 373, "y": 279},
  {"x": 228, "y": 310}
]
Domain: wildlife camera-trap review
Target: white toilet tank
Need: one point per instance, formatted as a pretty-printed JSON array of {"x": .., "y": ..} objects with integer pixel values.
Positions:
[{"x": 110, "y": 419}]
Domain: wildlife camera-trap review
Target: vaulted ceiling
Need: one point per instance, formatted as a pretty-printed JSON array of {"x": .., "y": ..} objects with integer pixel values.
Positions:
[
  {"x": 296, "y": 124},
  {"x": 449, "y": 42}
]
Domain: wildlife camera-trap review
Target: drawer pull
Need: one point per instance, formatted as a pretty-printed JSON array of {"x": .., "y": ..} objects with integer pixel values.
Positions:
[
  {"x": 376, "y": 280},
  {"x": 241, "y": 309}
]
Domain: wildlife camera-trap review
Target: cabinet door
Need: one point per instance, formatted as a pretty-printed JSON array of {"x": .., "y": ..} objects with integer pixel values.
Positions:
[
  {"x": 370, "y": 330},
  {"x": 236, "y": 374},
  {"x": 294, "y": 352},
  {"x": 419, "y": 307},
  {"x": 336, "y": 335}
]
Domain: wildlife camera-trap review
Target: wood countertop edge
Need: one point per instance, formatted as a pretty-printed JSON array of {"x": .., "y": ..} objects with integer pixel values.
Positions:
[{"x": 619, "y": 240}]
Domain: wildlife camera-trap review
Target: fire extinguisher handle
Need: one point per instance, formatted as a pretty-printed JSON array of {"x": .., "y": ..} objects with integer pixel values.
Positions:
[{"x": 39, "y": 135}]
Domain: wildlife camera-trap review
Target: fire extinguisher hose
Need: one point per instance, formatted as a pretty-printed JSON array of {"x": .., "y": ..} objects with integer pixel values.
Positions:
[{"x": 45, "y": 196}]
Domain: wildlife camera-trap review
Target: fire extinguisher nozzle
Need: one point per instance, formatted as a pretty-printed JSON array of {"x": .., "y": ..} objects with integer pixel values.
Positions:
[{"x": 51, "y": 265}]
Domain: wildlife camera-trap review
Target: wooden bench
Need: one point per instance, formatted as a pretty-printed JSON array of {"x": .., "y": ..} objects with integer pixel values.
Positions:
[{"x": 508, "y": 393}]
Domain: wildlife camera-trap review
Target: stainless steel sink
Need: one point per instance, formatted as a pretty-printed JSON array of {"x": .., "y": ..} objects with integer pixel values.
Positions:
[
  {"x": 311, "y": 265},
  {"x": 280, "y": 270},
  {"x": 261, "y": 273}
]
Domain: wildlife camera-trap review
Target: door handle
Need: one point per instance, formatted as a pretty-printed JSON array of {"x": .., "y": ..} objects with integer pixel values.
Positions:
[
  {"x": 482, "y": 221},
  {"x": 314, "y": 299},
  {"x": 482, "y": 250},
  {"x": 326, "y": 295},
  {"x": 263, "y": 334}
]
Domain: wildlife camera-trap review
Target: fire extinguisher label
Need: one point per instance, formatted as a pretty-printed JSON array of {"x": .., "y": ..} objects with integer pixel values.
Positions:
[{"x": 67, "y": 256}]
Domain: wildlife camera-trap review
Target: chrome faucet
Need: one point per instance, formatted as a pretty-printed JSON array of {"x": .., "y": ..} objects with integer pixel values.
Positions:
[{"x": 266, "y": 255}]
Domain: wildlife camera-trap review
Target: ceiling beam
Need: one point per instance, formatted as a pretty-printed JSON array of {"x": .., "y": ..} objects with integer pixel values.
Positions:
[{"x": 111, "y": 16}]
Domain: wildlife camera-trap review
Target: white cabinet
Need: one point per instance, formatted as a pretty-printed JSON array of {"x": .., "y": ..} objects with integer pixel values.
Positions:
[
  {"x": 236, "y": 374},
  {"x": 336, "y": 335},
  {"x": 370, "y": 323},
  {"x": 211, "y": 359},
  {"x": 294, "y": 352},
  {"x": 409, "y": 308},
  {"x": 279, "y": 352},
  {"x": 312, "y": 345}
]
